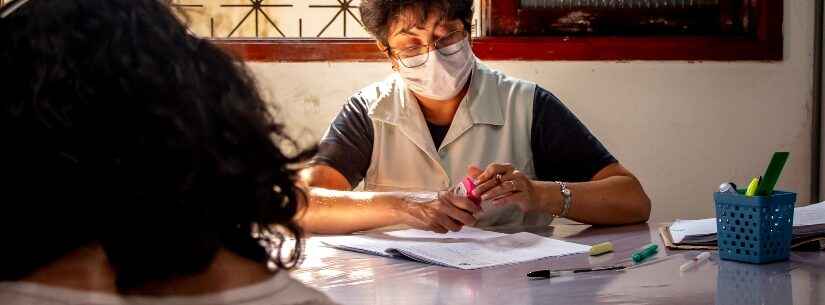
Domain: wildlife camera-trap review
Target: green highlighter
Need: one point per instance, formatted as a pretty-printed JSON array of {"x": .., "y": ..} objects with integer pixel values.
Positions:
[
  {"x": 644, "y": 253},
  {"x": 772, "y": 174}
]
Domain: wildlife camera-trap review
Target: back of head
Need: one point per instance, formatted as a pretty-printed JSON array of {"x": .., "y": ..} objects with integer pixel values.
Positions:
[{"x": 122, "y": 129}]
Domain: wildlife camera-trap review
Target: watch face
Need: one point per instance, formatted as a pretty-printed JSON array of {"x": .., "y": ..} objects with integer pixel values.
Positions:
[{"x": 566, "y": 192}]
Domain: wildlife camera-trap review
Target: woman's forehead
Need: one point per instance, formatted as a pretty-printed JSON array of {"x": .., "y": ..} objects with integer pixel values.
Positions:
[{"x": 414, "y": 20}]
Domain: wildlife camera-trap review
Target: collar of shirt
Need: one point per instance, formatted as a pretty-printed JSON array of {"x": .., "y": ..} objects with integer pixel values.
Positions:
[{"x": 394, "y": 104}]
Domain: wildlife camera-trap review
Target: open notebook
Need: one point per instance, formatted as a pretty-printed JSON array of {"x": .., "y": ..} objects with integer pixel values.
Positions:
[
  {"x": 808, "y": 230},
  {"x": 469, "y": 248}
]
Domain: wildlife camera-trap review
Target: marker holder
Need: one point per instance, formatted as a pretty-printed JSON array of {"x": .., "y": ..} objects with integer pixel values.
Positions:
[{"x": 755, "y": 230}]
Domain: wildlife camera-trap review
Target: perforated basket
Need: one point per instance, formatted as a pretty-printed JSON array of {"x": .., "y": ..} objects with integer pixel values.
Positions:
[{"x": 754, "y": 229}]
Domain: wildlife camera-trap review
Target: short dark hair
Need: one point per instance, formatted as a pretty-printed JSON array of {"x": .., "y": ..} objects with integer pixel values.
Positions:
[
  {"x": 378, "y": 15},
  {"x": 121, "y": 128}
]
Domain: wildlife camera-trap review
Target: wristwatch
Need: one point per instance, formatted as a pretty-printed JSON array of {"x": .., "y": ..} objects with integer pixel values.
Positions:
[{"x": 567, "y": 199}]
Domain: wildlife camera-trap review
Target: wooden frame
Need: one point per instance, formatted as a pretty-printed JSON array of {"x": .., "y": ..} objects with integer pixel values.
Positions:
[
  {"x": 765, "y": 45},
  {"x": 303, "y": 50}
]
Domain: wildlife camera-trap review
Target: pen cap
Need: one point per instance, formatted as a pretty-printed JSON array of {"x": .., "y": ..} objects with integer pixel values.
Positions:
[
  {"x": 754, "y": 229},
  {"x": 727, "y": 187},
  {"x": 466, "y": 188}
]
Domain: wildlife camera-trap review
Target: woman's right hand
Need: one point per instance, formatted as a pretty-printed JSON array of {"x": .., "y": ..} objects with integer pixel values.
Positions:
[{"x": 439, "y": 212}]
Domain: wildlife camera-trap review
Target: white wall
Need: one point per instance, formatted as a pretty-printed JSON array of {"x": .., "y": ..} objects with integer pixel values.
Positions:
[{"x": 682, "y": 127}]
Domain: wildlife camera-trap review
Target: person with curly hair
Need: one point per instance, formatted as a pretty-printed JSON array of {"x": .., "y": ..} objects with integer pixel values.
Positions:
[{"x": 140, "y": 162}]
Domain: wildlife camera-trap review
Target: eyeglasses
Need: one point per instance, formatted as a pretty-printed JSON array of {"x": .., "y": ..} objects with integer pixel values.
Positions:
[
  {"x": 12, "y": 6},
  {"x": 417, "y": 56}
]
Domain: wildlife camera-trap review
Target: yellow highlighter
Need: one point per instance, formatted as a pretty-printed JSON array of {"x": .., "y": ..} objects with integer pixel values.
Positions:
[
  {"x": 602, "y": 248},
  {"x": 753, "y": 186}
]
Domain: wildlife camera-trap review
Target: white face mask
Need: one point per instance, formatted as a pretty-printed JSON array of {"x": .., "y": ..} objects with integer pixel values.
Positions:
[{"x": 442, "y": 77}]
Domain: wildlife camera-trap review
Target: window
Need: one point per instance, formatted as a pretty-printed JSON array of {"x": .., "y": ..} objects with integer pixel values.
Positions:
[
  {"x": 273, "y": 19},
  {"x": 551, "y": 30},
  {"x": 330, "y": 30},
  {"x": 625, "y": 17},
  {"x": 632, "y": 30},
  {"x": 285, "y": 30}
]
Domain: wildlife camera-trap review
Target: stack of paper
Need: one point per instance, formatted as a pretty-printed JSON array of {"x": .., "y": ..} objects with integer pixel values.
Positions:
[
  {"x": 808, "y": 226},
  {"x": 469, "y": 248}
]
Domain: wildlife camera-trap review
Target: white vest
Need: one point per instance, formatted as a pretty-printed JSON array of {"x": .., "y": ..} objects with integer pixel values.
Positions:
[{"x": 492, "y": 125}]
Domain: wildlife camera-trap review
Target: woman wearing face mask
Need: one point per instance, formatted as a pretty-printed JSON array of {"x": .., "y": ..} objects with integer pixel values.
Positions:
[{"x": 444, "y": 115}]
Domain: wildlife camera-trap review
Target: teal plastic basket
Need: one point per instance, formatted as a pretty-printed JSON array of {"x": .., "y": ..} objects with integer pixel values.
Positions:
[{"x": 755, "y": 229}]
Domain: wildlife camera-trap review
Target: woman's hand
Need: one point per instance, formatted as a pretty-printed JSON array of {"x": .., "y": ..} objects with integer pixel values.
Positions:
[
  {"x": 438, "y": 212},
  {"x": 502, "y": 184}
]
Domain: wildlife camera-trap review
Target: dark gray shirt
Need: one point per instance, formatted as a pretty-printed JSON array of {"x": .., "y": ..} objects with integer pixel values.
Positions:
[
  {"x": 563, "y": 148},
  {"x": 438, "y": 133}
]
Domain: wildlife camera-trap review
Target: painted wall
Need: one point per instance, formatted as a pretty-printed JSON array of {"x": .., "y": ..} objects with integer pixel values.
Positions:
[{"x": 682, "y": 127}]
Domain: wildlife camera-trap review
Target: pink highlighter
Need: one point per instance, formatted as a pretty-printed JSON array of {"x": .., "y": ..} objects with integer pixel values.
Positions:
[{"x": 466, "y": 188}]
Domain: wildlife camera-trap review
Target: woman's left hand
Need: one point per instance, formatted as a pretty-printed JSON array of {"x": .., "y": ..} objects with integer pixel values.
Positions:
[{"x": 502, "y": 184}]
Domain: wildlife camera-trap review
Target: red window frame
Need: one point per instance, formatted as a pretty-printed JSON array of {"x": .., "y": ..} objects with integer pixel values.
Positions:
[{"x": 766, "y": 45}]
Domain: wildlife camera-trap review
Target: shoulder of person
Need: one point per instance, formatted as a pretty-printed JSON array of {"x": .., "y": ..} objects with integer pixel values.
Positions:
[
  {"x": 502, "y": 80},
  {"x": 511, "y": 91},
  {"x": 377, "y": 92},
  {"x": 507, "y": 85}
]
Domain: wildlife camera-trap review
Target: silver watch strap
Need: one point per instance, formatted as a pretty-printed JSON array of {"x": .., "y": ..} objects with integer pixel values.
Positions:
[{"x": 567, "y": 199}]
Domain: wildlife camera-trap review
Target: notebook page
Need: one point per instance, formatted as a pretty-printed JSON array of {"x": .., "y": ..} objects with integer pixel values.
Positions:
[
  {"x": 813, "y": 214},
  {"x": 681, "y": 228},
  {"x": 358, "y": 243},
  {"x": 498, "y": 251},
  {"x": 465, "y": 233},
  {"x": 383, "y": 243},
  {"x": 469, "y": 248}
]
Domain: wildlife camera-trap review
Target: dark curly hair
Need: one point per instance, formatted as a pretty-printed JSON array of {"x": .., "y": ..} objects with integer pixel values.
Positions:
[
  {"x": 121, "y": 128},
  {"x": 378, "y": 15}
]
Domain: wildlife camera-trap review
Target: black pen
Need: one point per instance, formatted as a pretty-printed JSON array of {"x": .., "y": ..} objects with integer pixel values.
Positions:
[{"x": 555, "y": 273}]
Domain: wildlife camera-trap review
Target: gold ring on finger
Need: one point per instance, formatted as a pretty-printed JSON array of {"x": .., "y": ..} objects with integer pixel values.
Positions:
[{"x": 512, "y": 185}]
